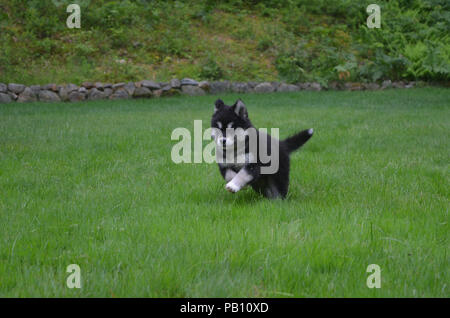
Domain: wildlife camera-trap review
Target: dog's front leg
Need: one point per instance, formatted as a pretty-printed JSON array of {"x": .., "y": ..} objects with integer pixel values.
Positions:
[
  {"x": 227, "y": 173},
  {"x": 246, "y": 175}
]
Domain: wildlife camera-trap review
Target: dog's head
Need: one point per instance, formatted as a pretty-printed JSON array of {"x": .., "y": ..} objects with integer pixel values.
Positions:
[{"x": 229, "y": 123}]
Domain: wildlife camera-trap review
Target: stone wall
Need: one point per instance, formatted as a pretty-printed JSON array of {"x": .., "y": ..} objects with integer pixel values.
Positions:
[{"x": 146, "y": 89}]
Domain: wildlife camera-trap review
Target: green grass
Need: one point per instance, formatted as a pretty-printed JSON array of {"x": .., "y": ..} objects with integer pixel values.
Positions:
[{"x": 93, "y": 184}]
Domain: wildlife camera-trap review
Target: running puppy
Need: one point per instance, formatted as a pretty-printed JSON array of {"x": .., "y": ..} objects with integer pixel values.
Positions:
[{"x": 247, "y": 156}]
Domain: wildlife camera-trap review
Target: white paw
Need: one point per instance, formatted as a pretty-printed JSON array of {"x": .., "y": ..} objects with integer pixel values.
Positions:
[
  {"x": 232, "y": 187},
  {"x": 310, "y": 131}
]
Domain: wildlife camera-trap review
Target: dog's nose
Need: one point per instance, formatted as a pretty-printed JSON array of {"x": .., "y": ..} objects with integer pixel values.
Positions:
[{"x": 224, "y": 142}]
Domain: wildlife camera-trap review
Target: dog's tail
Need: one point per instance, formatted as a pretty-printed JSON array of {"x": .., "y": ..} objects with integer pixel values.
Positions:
[{"x": 296, "y": 141}]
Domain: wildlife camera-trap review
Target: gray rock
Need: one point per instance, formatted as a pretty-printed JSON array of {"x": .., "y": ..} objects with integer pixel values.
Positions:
[
  {"x": 386, "y": 84},
  {"x": 129, "y": 87},
  {"x": 304, "y": 85},
  {"x": 192, "y": 90},
  {"x": 204, "y": 85},
  {"x": 249, "y": 89},
  {"x": 353, "y": 86},
  {"x": 16, "y": 88},
  {"x": 252, "y": 84},
  {"x": 371, "y": 86},
  {"x": 334, "y": 85},
  {"x": 315, "y": 87},
  {"x": 28, "y": 95},
  {"x": 107, "y": 91},
  {"x": 3, "y": 88},
  {"x": 188, "y": 81},
  {"x": 410, "y": 85},
  {"x": 5, "y": 98},
  {"x": 219, "y": 87},
  {"x": 35, "y": 89},
  {"x": 118, "y": 85},
  {"x": 239, "y": 87},
  {"x": 95, "y": 94},
  {"x": 265, "y": 87},
  {"x": 175, "y": 83},
  {"x": 48, "y": 96},
  {"x": 142, "y": 92},
  {"x": 76, "y": 96},
  {"x": 275, "y": 85},
  {"x": 51, "y": 87},
  {"x": 166, "y": 88},
  {"x": 287, "y": 88},
  {"x": 83, "y": 90},
  {"x": 157, "y": 93},
  {"x": 310, "y": 86},
  {"x": 65, "y": 91},
  {"x": 71, "y": 87},
  {"x": 12, "y": 95},
  {"x": 88, "y": 85},
  {"x": 98, "y": 85},
  {"x": 107, "y": 85},
  {"x": 399, "y": 84},
  {"x": 150, "y": 84},
  {"x": 120, "y": 93}
]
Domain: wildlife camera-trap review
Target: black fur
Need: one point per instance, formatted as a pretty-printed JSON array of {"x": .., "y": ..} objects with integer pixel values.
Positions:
[
  {"x": 296, "y": 141},
  {"x": 270, "y": 185}
]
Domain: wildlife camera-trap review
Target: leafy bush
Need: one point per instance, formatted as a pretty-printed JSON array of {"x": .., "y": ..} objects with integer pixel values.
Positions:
[{"x": 211, "y": 70}]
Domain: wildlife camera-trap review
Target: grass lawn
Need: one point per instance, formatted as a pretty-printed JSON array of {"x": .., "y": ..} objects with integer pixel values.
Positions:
[{"x": 93, "y": 184}]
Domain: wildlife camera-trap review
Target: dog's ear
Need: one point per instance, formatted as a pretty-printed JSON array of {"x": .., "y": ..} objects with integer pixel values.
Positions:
[
  {"x": 218, "y": 105},
  {"x": 239, "y": 109}
]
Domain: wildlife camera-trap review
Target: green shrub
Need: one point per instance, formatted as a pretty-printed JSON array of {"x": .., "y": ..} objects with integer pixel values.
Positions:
[
  {"x": 292, "y": 40},
  {"x": 209, "y": 69}
]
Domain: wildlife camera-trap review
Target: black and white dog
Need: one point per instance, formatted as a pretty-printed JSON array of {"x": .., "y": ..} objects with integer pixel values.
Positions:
[{"x": 246, "y": 156}]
